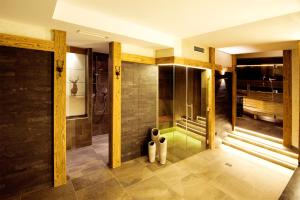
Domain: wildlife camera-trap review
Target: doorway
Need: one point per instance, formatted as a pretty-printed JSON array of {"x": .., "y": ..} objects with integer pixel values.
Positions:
[{"x": 89, "y": 113}]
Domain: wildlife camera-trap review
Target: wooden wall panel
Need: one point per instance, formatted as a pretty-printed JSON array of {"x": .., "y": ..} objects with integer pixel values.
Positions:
[
  {"x": 60, "y": 49},
  {"x": 234, "y": 91},
  {"x": 287, "y": 98},
  {"x": 211, "y": 100},
  {"x": 115, "y": 84},
  {"x": 26, "y": 42}
]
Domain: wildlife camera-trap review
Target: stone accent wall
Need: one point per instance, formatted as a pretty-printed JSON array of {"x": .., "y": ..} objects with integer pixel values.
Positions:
[
  {"x": 26, "y": 119},
  {"x": 139, "y": 107}
]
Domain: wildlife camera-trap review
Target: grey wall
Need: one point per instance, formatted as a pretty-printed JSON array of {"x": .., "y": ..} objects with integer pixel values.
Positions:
[{"x": 139, "y": 107}]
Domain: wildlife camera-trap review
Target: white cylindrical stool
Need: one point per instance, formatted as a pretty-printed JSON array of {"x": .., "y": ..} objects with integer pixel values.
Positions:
[
  {"x": 162, "y": 150},
  {"x": 151, "y": 151}
]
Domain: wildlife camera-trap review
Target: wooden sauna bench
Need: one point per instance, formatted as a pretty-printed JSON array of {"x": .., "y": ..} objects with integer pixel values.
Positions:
[{"x": 263, "y": 104}]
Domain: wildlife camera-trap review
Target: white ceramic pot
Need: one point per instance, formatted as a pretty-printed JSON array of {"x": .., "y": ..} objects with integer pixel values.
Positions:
[
  {"x": 163, "y": 150},
  {"x": 155, "y": 134},
  {"x": 151, "y": 151}
]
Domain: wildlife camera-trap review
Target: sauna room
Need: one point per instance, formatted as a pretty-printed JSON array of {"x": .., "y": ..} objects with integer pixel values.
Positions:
[{"x": 260, "y": 93}]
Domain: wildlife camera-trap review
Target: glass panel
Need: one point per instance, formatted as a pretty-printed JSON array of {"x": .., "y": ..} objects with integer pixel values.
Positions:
[
  {"x": 76, "y": 84},
  {"x": 182, "y": 110},
  {"x": 177, "y": 136},
  {"x": 196, "y": 110},
  {"x": 165, "y": 97}
]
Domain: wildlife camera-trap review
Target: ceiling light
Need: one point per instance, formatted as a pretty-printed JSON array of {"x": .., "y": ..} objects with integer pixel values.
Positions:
[{"x": 92, "y": 34}]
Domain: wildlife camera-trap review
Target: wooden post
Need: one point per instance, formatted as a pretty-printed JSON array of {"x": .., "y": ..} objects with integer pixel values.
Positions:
[
  {"x": 299, "y": 104},
  {"x": 287, "y": 98},
  {"x": 234, "y": 91},
  {"x": 115, "y": 84},
  {"x": 211, "y": 100},
  {"x": 60, "y": 49}
]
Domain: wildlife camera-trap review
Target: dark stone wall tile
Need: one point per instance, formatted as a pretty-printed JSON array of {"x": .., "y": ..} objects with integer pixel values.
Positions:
[
  {"x": 26, "y": 120},
  {"x": 139, "y": 104}
]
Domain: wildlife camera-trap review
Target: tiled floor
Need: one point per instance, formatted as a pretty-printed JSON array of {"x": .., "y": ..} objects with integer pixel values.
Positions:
[{"x": 224, "y": 173}]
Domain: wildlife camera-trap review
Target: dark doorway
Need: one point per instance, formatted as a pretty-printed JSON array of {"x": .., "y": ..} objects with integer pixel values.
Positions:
[{"x": 223, "y": 91}]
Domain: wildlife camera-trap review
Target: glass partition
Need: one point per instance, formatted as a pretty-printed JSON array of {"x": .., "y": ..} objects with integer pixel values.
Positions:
[{"x": 182, "y": 110}]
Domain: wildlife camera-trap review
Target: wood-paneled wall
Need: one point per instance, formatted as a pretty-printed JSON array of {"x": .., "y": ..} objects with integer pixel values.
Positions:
[{"x": 287, "y": 98}]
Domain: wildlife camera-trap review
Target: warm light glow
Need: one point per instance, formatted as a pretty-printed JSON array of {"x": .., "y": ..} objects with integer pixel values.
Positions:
[
  {"x": 258, "y": 161},
  {"x": 258, "y": 134}
]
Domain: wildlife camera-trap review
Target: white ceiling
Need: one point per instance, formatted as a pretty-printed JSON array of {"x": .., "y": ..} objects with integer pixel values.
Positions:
[
  {"x": 236, "y": 26},
  {"x": 185, "y": 18}
]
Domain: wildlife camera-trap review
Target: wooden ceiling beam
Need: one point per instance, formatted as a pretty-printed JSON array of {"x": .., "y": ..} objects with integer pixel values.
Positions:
[{"x": 26, "y": 42}]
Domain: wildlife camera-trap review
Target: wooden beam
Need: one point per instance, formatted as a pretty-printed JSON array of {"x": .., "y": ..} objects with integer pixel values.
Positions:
[
  {"x": 183, "y": 61},
  {"x": 165, "y": 60},
  {"x": 234, "y": 91},
  {"x": 138, "y": 59},
  {"x": 211, "y": 99},
  {"x": 115, "y": 80},
  {"x": 77, "y": 50},
  {"x": 60, "y": 48},
  {"x": 25, "y": 42},
  {"x": 287, "y": 98},
  {"x": 192, "y": 62},
  {"x": 221, "y": 68}
]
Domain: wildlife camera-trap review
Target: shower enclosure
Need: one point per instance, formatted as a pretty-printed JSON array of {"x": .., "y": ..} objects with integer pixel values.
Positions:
[{"x": 182, "y": 109}]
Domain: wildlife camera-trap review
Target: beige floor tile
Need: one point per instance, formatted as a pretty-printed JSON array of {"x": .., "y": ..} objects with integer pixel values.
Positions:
[
  {"x": 131, "y": 172},
  {"x": 97, "y": 176},
  {"x": 65, "y": 192},
  {"x": 108, "y": 190},
  {"x": 152, "y": 188}
]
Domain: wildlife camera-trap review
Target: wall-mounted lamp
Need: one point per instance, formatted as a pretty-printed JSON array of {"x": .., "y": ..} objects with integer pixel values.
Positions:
[
  {"x": 59, "y": 67},
  {"x": 118, "y": 71}
]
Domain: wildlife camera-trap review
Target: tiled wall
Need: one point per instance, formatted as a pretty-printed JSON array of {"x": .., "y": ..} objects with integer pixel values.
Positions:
[
  {"x": 26, "y": 119},
  {"x": 139, "y": 107}
]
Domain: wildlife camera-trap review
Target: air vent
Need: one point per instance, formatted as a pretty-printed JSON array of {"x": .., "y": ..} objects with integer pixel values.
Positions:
[{"x": 199, "y": 49}]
